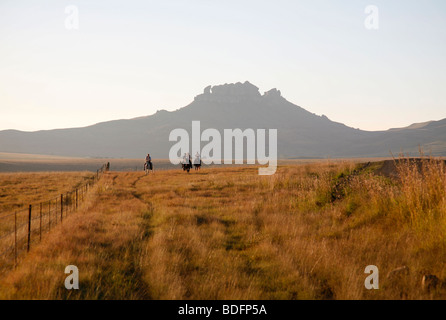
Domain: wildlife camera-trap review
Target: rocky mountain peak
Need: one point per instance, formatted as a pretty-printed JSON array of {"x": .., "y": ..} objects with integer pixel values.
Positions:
[
  {"x": 273, "y": 93},
  {"x": 230, "y": 92}
]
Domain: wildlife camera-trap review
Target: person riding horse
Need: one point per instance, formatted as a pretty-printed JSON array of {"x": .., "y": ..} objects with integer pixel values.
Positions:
[
  {"x": 148, "y": 164},
  {"x": 197, "y": 162},
  {"x": 187, "y": 162}
]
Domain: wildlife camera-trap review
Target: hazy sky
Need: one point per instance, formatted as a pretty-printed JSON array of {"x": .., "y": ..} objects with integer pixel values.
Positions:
[{"x": 131, "y": 58}]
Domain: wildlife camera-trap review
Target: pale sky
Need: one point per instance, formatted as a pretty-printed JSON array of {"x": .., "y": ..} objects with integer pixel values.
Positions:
[{"x": 131, "y": 58}]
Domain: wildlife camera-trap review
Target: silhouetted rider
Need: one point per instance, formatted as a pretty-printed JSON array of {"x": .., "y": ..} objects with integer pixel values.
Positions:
[{"x": 149, "y": 162}]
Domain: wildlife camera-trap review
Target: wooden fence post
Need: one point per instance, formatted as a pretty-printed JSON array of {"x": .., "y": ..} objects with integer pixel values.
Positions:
[
  {"x": 55, "y": 213},
  {"x": 49, "y": 216},
  {"x": 29, "y": 227},
  {"x": 61, "y": 207},
  {"x": 40, "y": 222},
  {"x": 15, "y": 239}
]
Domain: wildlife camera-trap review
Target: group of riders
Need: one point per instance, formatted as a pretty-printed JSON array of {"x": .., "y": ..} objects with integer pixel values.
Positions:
[{"x": 186, "y": 163}]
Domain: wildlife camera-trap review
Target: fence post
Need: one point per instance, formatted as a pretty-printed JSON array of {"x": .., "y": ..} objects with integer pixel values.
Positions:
[
  {"x": 76, "y": 199},
  {"x": 61, "y": 207},
  {"x": 55, "y": 213},
  {"x": 29, "y": 227},
  {"x": 15, "y": 239},
  {"x": 40, "y": 222},
  {"x": 49, "y": 216}
]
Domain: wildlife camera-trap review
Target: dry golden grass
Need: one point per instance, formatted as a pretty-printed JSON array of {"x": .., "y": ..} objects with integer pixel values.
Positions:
[
  {"x": 308, "y": 232},
  {"x": 18, "y": 190}
]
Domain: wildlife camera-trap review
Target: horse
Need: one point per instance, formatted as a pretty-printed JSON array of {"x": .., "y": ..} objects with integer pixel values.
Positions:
[
  {"x": 186, "y": 165},
  {"x": 148, "y": 166},
  {"x": 197, "y": 164}
]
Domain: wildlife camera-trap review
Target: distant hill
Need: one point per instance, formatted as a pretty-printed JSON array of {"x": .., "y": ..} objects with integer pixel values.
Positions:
[{"x": 301, "y": 134}]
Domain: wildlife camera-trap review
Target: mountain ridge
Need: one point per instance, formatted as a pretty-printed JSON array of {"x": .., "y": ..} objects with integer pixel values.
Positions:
[{"x": 228, "y": 106}]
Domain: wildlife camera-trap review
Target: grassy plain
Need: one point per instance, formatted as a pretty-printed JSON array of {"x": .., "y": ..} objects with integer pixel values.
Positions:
[{"x": 307, "y": 232}]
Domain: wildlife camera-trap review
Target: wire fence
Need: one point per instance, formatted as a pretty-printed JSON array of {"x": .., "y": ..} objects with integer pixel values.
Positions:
[{"x": 25, "y": 227}]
